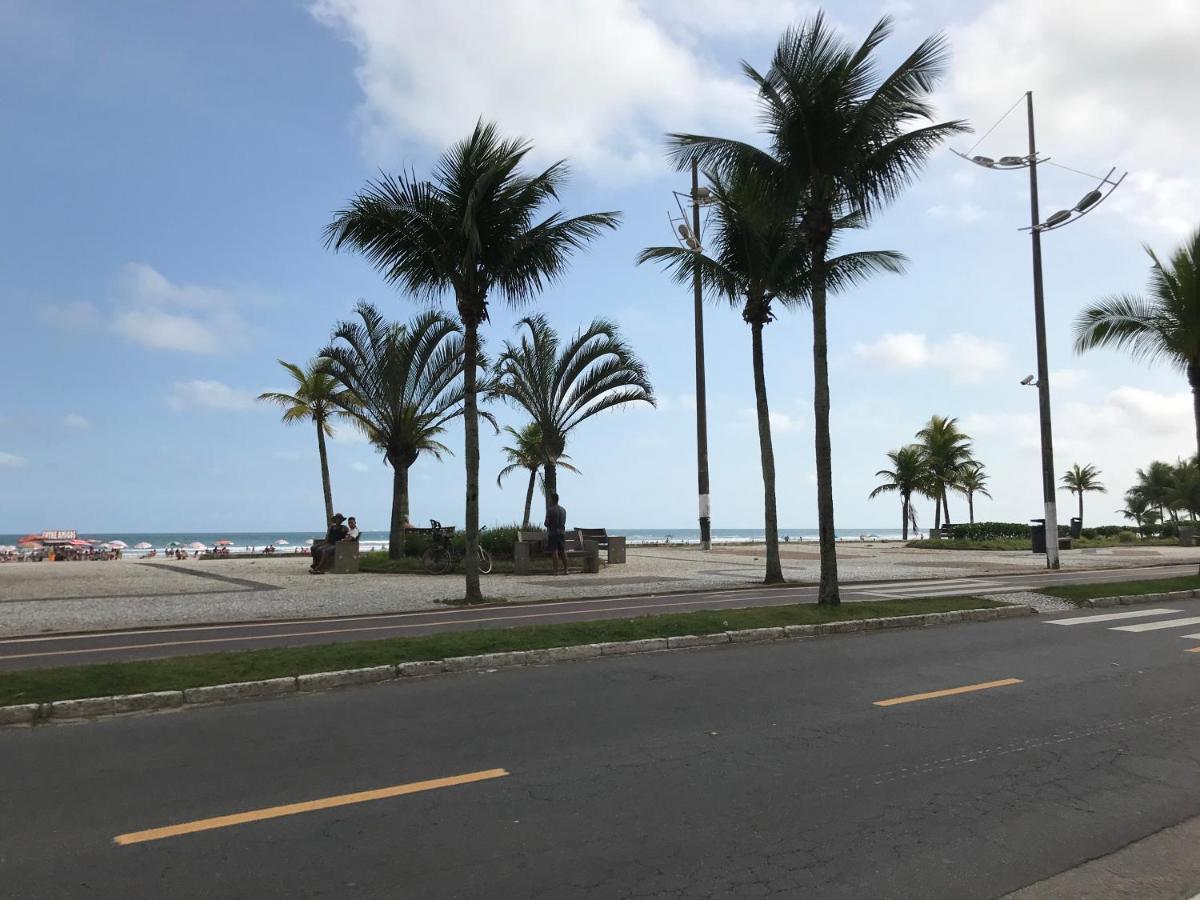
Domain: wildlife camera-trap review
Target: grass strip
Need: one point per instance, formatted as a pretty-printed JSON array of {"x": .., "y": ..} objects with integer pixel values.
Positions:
[
  {"x": 1079, "y": 593},
  {"x": 1024, "y": 544},
  {"x": 179, "y": 672}
]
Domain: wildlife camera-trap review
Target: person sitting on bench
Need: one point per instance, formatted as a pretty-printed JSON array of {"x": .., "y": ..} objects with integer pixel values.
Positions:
[{"x": 323, "y": 552}]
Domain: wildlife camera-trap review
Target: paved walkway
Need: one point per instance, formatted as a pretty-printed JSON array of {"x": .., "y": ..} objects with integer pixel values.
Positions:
[{"x": 58, "y": 597}]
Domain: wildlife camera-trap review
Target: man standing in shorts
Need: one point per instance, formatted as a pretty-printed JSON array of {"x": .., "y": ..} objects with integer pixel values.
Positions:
[{"x": 556, "y": 535}]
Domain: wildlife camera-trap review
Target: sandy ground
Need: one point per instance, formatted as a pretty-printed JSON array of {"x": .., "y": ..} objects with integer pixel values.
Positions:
[{"x": 78, "y": 596}]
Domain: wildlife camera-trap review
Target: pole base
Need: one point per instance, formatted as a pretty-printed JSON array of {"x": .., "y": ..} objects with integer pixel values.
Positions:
[{"x": 705, "y": 533}]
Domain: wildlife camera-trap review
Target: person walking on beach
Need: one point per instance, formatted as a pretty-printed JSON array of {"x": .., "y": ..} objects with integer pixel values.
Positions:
[
  {"x": 556, "y": 535},
  {"x": 323, "y": 552}
]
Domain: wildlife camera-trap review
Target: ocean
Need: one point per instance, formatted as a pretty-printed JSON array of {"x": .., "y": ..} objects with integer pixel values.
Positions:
[{"x": 243, "y": 541}]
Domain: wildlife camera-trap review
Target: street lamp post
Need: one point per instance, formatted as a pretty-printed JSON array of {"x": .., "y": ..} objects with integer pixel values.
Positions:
[{"x": 1036, "y": 227}]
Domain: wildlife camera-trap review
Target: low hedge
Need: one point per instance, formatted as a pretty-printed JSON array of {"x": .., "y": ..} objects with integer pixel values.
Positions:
[{"x": 989, "y": 531}]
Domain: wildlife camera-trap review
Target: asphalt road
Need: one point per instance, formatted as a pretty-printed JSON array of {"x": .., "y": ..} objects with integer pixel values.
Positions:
[
  {"x": 41, "y": 651},
  {"x": 736, "y": 771}
]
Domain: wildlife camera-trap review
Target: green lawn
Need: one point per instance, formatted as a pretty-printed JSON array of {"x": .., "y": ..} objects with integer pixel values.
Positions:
[
  {"x": 377, "y": 561},
  {"x": 1078, "y": 593},
  {"x": 1023, "y": 544},
  {"x": 100, "y": 680}
]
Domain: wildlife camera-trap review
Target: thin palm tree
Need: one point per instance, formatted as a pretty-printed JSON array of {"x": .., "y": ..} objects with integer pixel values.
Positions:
[
  {"x": 1081, "y": 480},
  {"x": 1138, "y": 509},
  {"x": 473, "y": 230},
  {"x": 316, "y": 397},
  {"x": 844, "y": 140},
  {"x": 948, "y": 457},
  {"x": 757, "y": 258},
  {"x": 972, "y": 481},
  {"x": 1184, "y": 494},
  {"x": 562, "y": 385},
  {"x": 1164, "y": 325},
  {"x": 526, "y": 452},
  {"x": 407, "y": 379},
  {"x": 907, "y": 476}
]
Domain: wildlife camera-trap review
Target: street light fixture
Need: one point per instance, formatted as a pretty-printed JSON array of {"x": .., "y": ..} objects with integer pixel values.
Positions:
[
  {"x": 690, "y": 238},
  {"x": 1057, "y": 220}
]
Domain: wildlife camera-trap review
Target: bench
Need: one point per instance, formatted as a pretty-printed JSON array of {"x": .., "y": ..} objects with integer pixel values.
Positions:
[
  {"x": 531, "y": 543},
  {"x": 613, "y": 545},
  {"x": 345, "y": 558}
]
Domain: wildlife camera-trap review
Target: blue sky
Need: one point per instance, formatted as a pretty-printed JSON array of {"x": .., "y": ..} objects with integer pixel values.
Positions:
[{"x": 168, "y": 168}]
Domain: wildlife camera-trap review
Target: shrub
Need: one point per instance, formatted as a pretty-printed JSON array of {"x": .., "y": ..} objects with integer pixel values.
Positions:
[
  {"x": 1126, "y": 537},
  {"x": 988, "y": 531},
  {"x": 1167, "y": 530}
]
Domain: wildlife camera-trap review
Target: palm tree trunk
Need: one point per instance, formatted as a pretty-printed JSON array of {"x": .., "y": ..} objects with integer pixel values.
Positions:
[
  {"x": 1194, "y": 381},
  {"x": 324, "y": 470},
  {"x": 827, "y": 592},
  {"x": 1081, "y": 507},
  {"x": 471, "y": 429},
  {"x": 529, "y": 498},
  {"x": 946, "y": 503},
  {"x": 937, "y": 510},
  {"x": 904, "y": 512},
  {"x": 971, "y": 506},
  {"x": 774, "y": 574},
  {"x": 550, "y": 481},
  {"x": 399, "y": 502}
]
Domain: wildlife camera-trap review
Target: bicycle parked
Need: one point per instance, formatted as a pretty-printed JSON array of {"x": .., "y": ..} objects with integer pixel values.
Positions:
[{"x": 441, "y": 556}]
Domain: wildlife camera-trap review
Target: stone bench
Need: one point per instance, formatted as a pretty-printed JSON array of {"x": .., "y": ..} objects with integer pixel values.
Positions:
[{"x": 533, "y": 543}]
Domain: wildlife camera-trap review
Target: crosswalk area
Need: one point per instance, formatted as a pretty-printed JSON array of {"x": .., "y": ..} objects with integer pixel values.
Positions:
[
  {"x": 1160, "y": 619},
  {"x": 939, "y": 587}
]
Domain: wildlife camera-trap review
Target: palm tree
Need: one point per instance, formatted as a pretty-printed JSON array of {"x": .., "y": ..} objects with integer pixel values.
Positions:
[
  {"x": 473, "y": 230},
  {"x": 318, "y": 398},
  {"x": 1138, "y": 509},
  {"x": 1154, "y": 483},
  {"x": 562, "y": 386},
  {"x": 408, "y": 381},
  {"x": 758, "y": 256},
  {"x": 842, "y": 142},
  {"x": 972, "y": 481},
  {"x": 527, "y": 453},
  {"x": 908, "y": 475},
  {"x": 1184, "y": 493},
  {"x": 1165, "y": 325},
  {"x": 1080, "y": 480},
  {"x": 948, "y": 458}
]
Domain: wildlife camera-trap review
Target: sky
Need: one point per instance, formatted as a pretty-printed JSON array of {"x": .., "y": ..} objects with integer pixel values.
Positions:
[{"x": 167, "y": 170}]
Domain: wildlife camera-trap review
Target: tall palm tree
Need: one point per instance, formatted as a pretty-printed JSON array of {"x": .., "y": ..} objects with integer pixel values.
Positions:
[
  {"x": 526, "y": 452},
  {"x": 948, "y": 457},
  {"x": 561, "y": 385},
  {"x": 474, "y": 230},
  {"x": 1154, "y": 483},
  {"x": 908, "y": 475},
  {"x": 1164, "y": 325},
  {"x": 1138, "y": 509},
  {"x": 1082, "y": 479},
  {"x": 1184, "y": 494},
  {"x": 758, "y": 257},
  {"x": 408, "y": 381},
  {"x": 844, "y": 140},
  {"x": 318, "y": 398},
  {"x": 972, "y": 481}
]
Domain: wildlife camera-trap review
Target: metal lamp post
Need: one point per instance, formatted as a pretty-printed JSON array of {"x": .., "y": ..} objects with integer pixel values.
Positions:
[
  {"x": 1036, "y": 227},
  {"x": 689, "y": 237}
]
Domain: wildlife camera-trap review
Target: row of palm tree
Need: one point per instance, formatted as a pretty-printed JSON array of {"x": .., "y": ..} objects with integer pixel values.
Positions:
[
  {"x": 1162, "y": 492},
  {"x": 401, "y": 384},
  {"x": 940, "y": 461}
]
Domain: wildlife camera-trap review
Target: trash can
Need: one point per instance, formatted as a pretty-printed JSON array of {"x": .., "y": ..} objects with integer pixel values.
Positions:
[
  {"x": 1037, "y": 532},
  {"x": 1186, "y": 536},
  {"x": 1076, "y": 527}
]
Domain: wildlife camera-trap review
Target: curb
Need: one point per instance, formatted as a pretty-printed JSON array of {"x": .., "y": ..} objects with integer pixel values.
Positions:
[
  {"x": 1135, "y": 599},
  {"x": 104, "y": 707}
]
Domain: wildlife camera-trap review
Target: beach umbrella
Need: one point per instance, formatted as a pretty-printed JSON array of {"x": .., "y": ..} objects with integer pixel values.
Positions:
[
  {"x": 106, "y": 546},
  {"x": 118, "y": 545},
  {"x": 175, "y": 544},
  {"x": 281, "y": 543},
  {"x": 143, "y": 545},
  {"x": 196, "y": 545},
  {"x": 223, "y": 542},
  {"x": 31, "y": 539}
]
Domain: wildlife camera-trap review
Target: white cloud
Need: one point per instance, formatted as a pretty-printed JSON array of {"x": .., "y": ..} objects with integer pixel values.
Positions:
[
  {"x": 201, "y": 394},
  {"x": 11, "y": 461},
  {"x": 360, "y": 466},
  {"x": 77, "y": 422},
  {"x": 965, "y": 356},
  {"x": 781, "y": 422},
  {"x": 1106, "y": 88},
  {"x": 598, "y": 82},
  {"x": 962, "y": 212},
  {"x": 155, "y": 312},
  {"x": 346, "y": 433}
]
